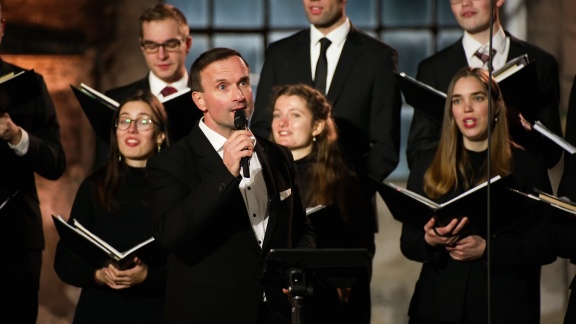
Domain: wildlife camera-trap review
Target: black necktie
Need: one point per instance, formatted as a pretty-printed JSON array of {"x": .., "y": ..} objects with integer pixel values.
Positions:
[
  {"x": 322, "y": 66},
  {"x": 484, "y": 56}
]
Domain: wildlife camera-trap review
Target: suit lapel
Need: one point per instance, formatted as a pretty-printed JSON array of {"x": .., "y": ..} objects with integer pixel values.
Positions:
[
  {"x": 350, "y": 54},
  {"x": 266, "y": 161},
  {"x": 299, "y": 59},
  {"x": 516, "y": 48},
  {"x": 204, "y": 154}
]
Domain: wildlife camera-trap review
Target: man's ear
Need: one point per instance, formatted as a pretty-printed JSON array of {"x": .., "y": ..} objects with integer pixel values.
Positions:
[
  {"x": 198, "y": 99},
  {"x": 188, "y": 43}
]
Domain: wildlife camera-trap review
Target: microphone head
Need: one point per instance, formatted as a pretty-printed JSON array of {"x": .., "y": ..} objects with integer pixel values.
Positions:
[{"x": 240, "y": 121}]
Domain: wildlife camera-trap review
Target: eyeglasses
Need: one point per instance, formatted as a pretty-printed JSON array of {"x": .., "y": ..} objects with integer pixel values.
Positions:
[
  {"x": 142, "y": 123},
  {"x": 458, "y": 1},
  {"x": 171, "y": 45}
]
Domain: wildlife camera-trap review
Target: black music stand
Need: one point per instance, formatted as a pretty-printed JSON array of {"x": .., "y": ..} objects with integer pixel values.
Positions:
[{"x": 299, "y": 269}]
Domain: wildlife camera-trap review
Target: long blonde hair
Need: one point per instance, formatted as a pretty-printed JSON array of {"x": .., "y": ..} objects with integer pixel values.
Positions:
[{"x": 451, "y": 166}]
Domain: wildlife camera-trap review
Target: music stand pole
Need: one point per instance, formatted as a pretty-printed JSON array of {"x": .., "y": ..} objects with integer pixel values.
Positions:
[{"x": 299, "y": 290}]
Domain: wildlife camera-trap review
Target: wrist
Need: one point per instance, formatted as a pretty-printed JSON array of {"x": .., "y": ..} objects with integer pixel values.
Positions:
[{"x": 17, "y": 137}]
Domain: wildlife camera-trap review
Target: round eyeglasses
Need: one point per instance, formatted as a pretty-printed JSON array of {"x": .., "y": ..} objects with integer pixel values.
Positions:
[
  {"x": 171, "y": 45},
  {"x": 142, "y": 123}
]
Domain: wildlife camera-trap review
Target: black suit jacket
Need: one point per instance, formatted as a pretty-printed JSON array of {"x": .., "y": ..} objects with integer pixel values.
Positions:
[
  {"x": 565, "y": 243},
  {"x": 200, "y": 217},
  {"x": 456, "y": 291},
  {"x": 122, "y": 93},
  {"x": 365, "y": 97},
  {"x": 437, "y": 71},
  {"x": 22, "y": 220}
]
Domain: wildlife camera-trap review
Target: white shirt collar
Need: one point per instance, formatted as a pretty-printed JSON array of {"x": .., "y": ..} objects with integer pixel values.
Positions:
[
  {"x": 156, "y": 84},
  {"x": 337, "y": 36},
  {"x": 499, "y": 43},
  {"x": 214, "y": 138}
]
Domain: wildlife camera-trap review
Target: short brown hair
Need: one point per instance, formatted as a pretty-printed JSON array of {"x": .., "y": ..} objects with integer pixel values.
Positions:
[
  {"x": 164, "y": 11},
  {"x": 205, "y": 59}
]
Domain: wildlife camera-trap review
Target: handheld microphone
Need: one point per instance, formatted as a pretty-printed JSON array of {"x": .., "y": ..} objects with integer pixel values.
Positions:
[{"x": 240, "y": 122}]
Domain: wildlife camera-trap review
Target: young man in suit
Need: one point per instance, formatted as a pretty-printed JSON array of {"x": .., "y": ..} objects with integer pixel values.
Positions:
[
  {"x": 438, "y": 69},
  {"x": 360, "y": 84},
  {"x": 29, "y": 144},
  {"x": 165, "y": 42},
  {"x": 218, "y": 224}
]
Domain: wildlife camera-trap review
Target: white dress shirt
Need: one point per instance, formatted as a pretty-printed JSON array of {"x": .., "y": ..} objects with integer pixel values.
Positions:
[
  {"x": 500, "y": 43},
  {"x": 253, "y": 189},
  {"x": 338, "y": 38},
  {"x": 156, "y": 84}
]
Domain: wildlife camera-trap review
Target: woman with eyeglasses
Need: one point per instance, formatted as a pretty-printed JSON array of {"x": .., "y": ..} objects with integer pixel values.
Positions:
[{"x": 110, "y": 203}]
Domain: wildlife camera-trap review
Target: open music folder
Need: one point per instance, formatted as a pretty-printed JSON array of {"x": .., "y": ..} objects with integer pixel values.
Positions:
[
  {"x": 99, "y": 109},
  {"x": 97, "y": 252},
  {"x": 415, "y": 210}
]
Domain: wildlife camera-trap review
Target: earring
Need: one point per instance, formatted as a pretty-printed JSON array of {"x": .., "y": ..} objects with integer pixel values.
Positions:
[
  {"x": 119, "y": 157},
  {"x": 313, "y": 138},
  {"x": 495, "y": 119},
  {"x": 159, "y": 147}
]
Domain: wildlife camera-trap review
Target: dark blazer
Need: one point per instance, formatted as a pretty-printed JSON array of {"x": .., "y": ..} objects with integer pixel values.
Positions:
[
  {"x": 456, "y": 291},
  {"x": 365, "y": 97},
  {"x": 437, "y": 71},
  {"x": 22, "y": 220},
  {"x": 566, "y": 231},
  {"x": 201, "y": 218},
  {"x": 122, "y": 93}
]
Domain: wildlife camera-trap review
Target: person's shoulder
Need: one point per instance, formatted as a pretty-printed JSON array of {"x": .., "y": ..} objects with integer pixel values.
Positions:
[
  {"x": 425, "y": 156},
  {"x": 534, "y": 51},
  {"x": 272, "y": 148},
  {"x": 92, "y": 178},
  {"x": 127, "y": 88},
  {"x": 290, "y": 40},
  {"x": 179, "y": 151},
  {"x": 441, "y": 55}
]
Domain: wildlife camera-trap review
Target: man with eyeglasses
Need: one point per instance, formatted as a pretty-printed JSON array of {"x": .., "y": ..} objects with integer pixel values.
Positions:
[
  {"x": 437, "y": 71},
  {"x": 165, "y": 42},
  {"x": 29, "y": 144}
]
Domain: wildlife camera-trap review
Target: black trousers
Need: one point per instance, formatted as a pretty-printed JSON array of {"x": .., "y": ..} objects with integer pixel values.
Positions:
[{"x": 21, "y": 281}]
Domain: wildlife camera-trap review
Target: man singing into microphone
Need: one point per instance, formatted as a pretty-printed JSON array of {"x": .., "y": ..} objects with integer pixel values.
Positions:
[{"x": 217, "y": 224}]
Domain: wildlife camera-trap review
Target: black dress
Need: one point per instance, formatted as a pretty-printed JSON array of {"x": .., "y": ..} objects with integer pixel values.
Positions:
[
  {"x": 125, "y": 227},
  {"x": 334, "y": 230},
  {"x": 450, "y": 291}
]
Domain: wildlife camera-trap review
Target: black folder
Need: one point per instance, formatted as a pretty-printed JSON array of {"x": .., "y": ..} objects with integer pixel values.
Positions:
[
  {"x": 99, "y": 109},
  {"x": 415, "y": 210},
  {"x": 95, "y": 251},
  {"x": 17, "y": 89}
]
